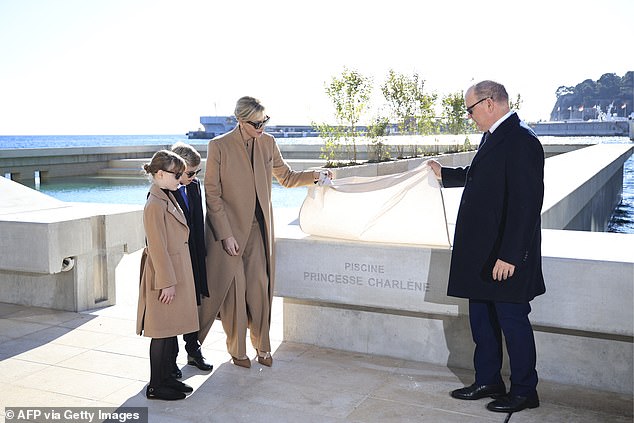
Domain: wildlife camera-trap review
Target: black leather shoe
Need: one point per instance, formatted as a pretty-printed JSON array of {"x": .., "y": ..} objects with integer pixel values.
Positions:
[
  {"x": 176, "y": 373},
  {"x": 200, "y": 363},
  {"x": 475, "y": 392},
  {"x": 163, "y": 393},
  {"x": 513, "y": 403},
  {"x": 178, "y": 386}
]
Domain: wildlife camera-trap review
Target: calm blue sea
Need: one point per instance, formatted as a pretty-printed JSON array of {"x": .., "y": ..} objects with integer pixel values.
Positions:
[{"x": 92, "y": 189}]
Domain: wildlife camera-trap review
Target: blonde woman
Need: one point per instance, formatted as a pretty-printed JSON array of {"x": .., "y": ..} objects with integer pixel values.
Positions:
[{"x": 241, "y": 255}]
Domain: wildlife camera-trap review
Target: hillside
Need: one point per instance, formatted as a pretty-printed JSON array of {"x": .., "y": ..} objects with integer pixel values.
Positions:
[{"x": 591, "y": 100}]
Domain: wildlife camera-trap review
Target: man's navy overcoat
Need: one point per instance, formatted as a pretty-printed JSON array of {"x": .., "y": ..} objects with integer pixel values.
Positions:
[{"x": 499, "y": 216}]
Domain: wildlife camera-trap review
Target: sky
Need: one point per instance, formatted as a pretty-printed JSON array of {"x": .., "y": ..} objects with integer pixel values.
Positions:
[{"x": 155, "y": 66}]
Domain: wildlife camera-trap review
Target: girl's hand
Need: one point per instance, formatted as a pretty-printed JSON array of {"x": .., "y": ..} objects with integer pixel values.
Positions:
[
  {"x": 167, "y": 294},
  {"x": 231, "y": 246}
]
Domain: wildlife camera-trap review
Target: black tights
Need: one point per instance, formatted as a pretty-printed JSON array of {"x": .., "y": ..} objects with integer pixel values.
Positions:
[{"x": 162, "y": 351}]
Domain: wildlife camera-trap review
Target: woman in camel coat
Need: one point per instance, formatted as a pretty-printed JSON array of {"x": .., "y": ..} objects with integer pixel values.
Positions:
[
  {"x": 167, "y": 297},
  {"x": 239, "y": 230}
]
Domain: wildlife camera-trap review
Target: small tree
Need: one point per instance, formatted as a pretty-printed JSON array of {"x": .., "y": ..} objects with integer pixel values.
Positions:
[
  {"x": 331, "y": 135},
  {"x": 410, "y": 106},
  {"x": 350, "y": 95},
  {"x": 377, "y": 131},
  {"x": 454, "y": 112}
]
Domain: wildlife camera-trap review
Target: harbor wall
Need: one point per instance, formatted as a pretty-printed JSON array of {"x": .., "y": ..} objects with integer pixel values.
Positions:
[
  {"x": 619, "y": 128},
  {"x": 127, "y": 161}
]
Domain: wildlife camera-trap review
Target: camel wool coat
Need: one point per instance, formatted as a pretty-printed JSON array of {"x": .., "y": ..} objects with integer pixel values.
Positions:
[
  {"x": 165, "y": 263},
  {"x": 232, "y": 187}
]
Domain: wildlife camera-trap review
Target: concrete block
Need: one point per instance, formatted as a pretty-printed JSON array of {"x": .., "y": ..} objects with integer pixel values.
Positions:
[{"x": 63, "y": 255}]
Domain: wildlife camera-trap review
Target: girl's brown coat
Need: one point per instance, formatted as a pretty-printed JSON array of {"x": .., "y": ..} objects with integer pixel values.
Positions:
[{"x": 166, "y": 262}]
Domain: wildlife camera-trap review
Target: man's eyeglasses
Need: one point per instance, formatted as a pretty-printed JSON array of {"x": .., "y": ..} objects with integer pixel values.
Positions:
[
  {"x": 177, "y": 175},
  {"x": 258, "y": 125},
  {"x": 470, "y": 108},
  {"x": 192, "y": 173}
]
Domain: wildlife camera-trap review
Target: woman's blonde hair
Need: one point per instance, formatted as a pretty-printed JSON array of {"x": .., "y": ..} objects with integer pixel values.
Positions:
[{"x": 249, "y": 108}]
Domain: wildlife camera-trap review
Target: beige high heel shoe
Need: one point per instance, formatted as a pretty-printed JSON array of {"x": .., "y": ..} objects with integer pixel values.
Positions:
[
  {"x": 242, "y": 362},
  {"x": 266, "y": 359}
]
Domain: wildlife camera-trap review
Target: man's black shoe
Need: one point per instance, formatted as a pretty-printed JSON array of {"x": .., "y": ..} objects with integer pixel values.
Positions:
[
  {"x": 200, "y": 363},
  {"x": 475, "y": 392},
  {"x": 513, "y": 403}
]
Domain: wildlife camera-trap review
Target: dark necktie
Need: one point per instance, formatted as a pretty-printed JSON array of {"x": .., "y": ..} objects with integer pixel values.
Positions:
[
  {"x": 485, "y": 137},
  {"x": 184, "y": 195}
]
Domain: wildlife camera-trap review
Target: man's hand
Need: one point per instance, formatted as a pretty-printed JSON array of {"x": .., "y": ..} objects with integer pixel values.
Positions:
[
  {"x": 435, "y": 167},
  {"x": 502, "y": 270}
]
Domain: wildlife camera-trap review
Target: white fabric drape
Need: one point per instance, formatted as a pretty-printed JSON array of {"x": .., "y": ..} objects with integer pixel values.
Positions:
[{"x": 404, "y": 208}]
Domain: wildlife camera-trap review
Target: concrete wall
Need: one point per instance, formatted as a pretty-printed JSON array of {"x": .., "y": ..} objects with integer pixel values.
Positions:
[
  {"x": 390, "y": 300},
  {"x": 62, "y": 255},
  {"x": 56, "y": 162},
  {"x": 128, "y": 160},
  {"x": 583, "y": 187},
  {"x": 583, "y": 128}
]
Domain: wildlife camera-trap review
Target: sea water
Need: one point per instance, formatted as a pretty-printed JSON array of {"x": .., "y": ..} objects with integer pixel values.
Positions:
[
  {"x": 95, "y": 189},
  {"x": 134, "y": 191}
]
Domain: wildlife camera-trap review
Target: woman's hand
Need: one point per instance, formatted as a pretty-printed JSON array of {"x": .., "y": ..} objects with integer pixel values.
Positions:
[
  {"x": 231, "y": 246},
  {"x": 317, "y": 174},
  {"x": 167, "y": 294}
]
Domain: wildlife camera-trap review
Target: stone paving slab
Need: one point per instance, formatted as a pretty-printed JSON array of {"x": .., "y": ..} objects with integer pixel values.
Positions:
[{"x": 94, "y": 359}]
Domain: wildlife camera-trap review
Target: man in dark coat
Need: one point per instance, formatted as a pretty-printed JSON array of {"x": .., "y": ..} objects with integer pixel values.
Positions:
[{"x": 496, "y": 257}]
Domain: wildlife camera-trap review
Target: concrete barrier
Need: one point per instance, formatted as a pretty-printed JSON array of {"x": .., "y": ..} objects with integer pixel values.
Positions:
[
  {"x": 583, "y": 187},
  {"x": 62, "y": 255},
  {"x": 391, "y": 299}
]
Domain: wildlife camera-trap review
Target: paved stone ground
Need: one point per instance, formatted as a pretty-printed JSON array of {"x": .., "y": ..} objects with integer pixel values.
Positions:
[{"x": 59, "y": 359}]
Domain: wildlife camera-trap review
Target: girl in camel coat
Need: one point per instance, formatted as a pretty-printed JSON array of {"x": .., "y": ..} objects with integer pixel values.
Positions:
[{"x": 167, "y": 297}]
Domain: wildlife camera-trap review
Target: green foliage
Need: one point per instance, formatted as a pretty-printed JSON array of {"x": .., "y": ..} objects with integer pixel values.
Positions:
[
  {"x": 331, "y": 150},
  {"x": 454, "y": 114},
  {"x": 410, "y": 106},
  {"x": 376, "y": 133},
  {"x": 349, "y": 95},
  {"x": 608, "y": 89},
  {"x": 467, "y": 146}
]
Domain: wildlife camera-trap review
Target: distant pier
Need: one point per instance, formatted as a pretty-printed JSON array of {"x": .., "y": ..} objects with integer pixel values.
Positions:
[{"x": 618, "y": 128}]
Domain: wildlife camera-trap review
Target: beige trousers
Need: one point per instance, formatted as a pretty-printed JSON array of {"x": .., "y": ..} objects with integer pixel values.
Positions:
[{"x": 247, "y": 302}]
